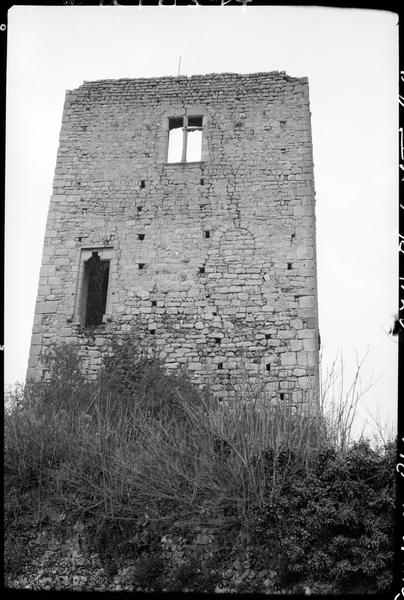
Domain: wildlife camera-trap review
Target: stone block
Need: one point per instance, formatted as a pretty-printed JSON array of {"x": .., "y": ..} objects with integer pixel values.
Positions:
[
  {"x": 310, "y": 344},
  {"x": 296, "y": 345},
  {"x": 46, "y": 307},
  {"x": 58, "y": 183},
  {"x": 34, "y": 373},
  {"x": 305, "y": 383},
  {"x": 306, "y": 333},
  {"x": 286, "y": 334},
  {"x": 306, "y": 302},
  {"x": 143, "y": 294},
  {"x": 305, "y": 313},
  {"x": 305, "y": 252},
  {"x": 297, "y": 396},
  {"x": 33, "y": 360},
  {"x": 218, "y": 359},
  {"x": 288, "y": 358},
  {"x": 306, "y": 359},
  {"x": 47, "y": 270},
  {"x": 194, "y": 366},
  {"x": 36, "y": 340}
]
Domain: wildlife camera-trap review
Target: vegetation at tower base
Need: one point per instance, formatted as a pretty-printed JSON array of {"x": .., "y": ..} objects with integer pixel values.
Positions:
[{"x": 138, "y": 481}]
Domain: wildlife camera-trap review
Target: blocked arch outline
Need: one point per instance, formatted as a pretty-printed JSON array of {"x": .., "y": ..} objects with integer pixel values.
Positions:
[{"x": 220, "y": 232}]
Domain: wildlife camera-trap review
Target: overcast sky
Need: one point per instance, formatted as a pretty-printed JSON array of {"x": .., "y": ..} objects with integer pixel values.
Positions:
[{"x": 351, "y": 59}]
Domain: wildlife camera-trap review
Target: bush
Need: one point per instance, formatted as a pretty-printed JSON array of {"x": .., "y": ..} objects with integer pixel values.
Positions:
[
  {"x": 140, "y": 454},
  {"x": 148, "y": 572},
  {"x": 336, "y": 524},
  {"x": 135, "y": 374}
]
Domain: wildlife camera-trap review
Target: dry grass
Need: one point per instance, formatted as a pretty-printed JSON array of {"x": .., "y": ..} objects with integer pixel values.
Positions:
[
  {"x": 189, "y": 458},
  {"x": 163, "y": 458}
]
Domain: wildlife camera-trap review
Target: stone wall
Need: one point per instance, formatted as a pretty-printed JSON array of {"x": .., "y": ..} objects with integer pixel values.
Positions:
[{"x": 212, "y": 263}]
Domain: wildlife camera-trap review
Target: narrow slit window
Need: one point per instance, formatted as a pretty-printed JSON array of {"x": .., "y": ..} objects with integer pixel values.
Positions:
[
  {"x": 206, "y": 234},
  {"x": 96, "y": 279},
  {"x": 220, "y": 366},
  {"x": 184, "y": 139}
]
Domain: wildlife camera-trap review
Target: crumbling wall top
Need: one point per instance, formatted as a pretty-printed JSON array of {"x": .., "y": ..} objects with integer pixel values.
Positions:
[{"x": 217, "y": 77}]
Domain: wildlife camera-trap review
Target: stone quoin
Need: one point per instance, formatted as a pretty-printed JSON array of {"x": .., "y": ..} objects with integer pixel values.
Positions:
[{"x": 183, "y": 209}]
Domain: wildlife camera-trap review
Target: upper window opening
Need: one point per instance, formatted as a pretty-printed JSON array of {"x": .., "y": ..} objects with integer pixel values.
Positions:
[
  {"x": 184, "y": 139},
  {"x": 195, "y": 122},
  {"x": 175, "y": 122},
  {"x": 96, "y": 276}
]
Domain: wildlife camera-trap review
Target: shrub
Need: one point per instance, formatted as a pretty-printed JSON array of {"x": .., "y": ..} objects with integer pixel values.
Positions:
[
  {"x": 193, "y": 575},
  {"x": 124, "y": 365},
  {"x": 63, "y": 385},
  {"x": 140, "y": 454},
  {"x": 149, "y": 572},
  {"x": 133, "y": 373},
  {"x": 336, "y": 525}
]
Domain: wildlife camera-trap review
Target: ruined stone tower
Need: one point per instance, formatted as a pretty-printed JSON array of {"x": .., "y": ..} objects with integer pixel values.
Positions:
[{"x": 183, "y": 209}]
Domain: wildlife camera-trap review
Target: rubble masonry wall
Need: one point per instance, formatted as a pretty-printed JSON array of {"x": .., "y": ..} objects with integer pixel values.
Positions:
[{"x": 239, "y": 301}]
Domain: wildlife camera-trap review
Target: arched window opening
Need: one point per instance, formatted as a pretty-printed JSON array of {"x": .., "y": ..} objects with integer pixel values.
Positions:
[{"x": 96, "y": 278}]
